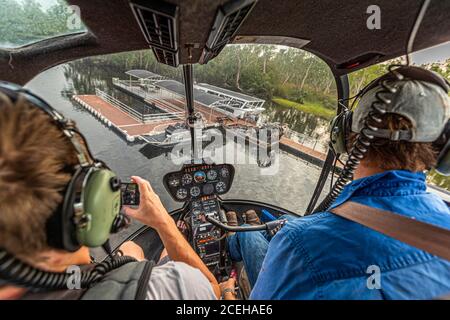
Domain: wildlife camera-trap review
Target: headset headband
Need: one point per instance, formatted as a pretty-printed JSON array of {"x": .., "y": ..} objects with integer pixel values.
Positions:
[
  {"x": 411, "y": 72},
  {"x": 84, "y": 155}
]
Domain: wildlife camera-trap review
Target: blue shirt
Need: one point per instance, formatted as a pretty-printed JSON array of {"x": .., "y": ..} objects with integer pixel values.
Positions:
[{"x": 323, "y": 256}]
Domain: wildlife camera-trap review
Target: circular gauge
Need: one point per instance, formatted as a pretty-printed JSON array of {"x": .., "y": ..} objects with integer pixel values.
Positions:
[
  {"x": 186, "y": 179},
  {"x": 224, "y": 172},
  {"x": 221, "y": 187},
  {"x": 200, "y": 176},
  {"x": 181, "y": 193},
  {"x": 174, "y": 182},
  {"x": 212, "y": 175},
  {"x": 208, "y": 188},
  {"x": 195, "y": 191}
]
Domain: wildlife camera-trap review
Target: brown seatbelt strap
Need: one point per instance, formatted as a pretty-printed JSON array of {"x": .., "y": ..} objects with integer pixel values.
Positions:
[{"x": 424, "y": 236}]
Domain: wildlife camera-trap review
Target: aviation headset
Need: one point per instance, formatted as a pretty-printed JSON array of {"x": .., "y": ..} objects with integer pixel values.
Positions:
[
  {"x": 91, "y": 205},
  {"x": 340, "y": 126}
]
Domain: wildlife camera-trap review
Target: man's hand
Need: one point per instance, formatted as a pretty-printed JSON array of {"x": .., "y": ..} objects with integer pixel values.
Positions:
[
  {"x": 129, "y": 248},
  {"x": 151, "y": 211},
  {"x": 227, "y": 289}
]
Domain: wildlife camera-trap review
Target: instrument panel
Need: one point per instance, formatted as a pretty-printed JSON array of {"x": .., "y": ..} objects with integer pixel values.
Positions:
[
  {"x": 205, "y": 237},
  {"x": 195, "y": 181}
]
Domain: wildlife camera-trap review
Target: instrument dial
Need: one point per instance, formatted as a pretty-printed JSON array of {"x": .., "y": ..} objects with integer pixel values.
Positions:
[
  {"x": 186, "y": 179},
  {"x": 221, "y": 187},
  {"x": 181, "y": 193},
  {"x": 212, "y": 175},
  {"x": 224, "y": 172},
  {"x": 200, "y": 176},
  {"x": 174, "y": 182},
  {"x": 195, "y": 191},
  {"x": 193, "y": 182},
  {"x": 208, "y": 189}
]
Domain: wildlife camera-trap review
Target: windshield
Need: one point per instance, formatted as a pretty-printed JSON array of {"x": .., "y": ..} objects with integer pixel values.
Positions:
[
  {"x": 24, "y": 22},
  {"x": 247, "y": 88},
  {"x": 247, "y": 91}
]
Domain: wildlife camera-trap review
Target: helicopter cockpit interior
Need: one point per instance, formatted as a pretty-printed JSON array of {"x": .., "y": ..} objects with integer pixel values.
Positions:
[{"x": 190, "y": 34}]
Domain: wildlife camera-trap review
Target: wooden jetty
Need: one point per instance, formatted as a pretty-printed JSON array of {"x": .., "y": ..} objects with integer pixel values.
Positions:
[{"x": 132, "y": 126}]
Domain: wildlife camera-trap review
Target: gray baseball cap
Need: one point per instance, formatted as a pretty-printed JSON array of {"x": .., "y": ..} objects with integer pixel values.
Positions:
[{"x": 426, "y": 105}]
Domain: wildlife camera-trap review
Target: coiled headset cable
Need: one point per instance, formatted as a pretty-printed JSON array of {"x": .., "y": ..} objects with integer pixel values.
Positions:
[
  {"x": 365, "y": 138},
  {"x": 378, "y": 109},
  {"x": 16, "y": 272}
]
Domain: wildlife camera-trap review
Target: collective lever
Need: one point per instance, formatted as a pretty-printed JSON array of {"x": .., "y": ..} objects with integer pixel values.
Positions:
[{"x": 268, "y": 226}]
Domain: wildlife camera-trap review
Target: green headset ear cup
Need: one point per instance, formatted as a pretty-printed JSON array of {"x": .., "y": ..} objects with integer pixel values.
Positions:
[
  {"x": 339, "y": 129},
  {"x": 101, "y": 205}
]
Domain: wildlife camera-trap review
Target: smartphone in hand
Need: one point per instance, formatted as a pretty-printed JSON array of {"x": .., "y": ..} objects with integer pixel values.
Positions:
[{"x": 130, "y": 194}]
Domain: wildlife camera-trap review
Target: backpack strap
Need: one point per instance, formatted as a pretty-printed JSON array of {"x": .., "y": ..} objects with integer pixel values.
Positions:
[
  {"x": 141, "y": 292},
  {"x": 422, "y": 235},
  {"x": 127, "y": 282}
]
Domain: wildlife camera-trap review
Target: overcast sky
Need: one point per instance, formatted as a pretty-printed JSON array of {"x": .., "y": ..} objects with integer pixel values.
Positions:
[{"x": 433, "y": 54}]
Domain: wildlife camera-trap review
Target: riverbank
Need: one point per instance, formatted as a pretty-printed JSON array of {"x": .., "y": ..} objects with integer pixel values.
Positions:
[{"x": 308, "y": 107}]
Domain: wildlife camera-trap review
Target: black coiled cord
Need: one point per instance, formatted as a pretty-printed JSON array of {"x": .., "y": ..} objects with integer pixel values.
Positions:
[
  {"x": 364, "y": 139},
  {"x": 121, "y": 222},
  {"x": 16, "y": 272}
]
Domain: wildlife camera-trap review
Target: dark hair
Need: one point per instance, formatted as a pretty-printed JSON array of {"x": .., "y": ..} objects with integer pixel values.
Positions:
[{"x": 398, "y": 155}]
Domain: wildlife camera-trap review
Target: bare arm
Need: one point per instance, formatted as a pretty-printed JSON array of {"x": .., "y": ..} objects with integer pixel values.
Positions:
[
  {"x": 152, "y": 213},
  {"x": 227, "y": 289},
  {"x": 179, "y": 249}
]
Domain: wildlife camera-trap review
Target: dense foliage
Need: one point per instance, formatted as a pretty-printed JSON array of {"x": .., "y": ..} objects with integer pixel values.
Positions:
[{"x": 24, "y": 22}]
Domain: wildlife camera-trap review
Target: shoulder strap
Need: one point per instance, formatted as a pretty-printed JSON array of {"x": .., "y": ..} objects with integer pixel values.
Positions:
[
  {"x": 424, "y": 236},
  {"x": 141, "y": 292}
]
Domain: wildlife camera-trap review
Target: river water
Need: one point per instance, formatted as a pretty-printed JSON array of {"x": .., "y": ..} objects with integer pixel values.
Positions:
[{"x": 291, "y": 187}]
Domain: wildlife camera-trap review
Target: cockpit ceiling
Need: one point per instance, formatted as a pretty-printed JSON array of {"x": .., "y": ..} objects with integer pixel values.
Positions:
[{"x": 336, "y": 31}]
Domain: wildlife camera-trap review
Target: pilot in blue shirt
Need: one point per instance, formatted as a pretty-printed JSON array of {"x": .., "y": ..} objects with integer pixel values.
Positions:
[{"x": 324, "y": 256}]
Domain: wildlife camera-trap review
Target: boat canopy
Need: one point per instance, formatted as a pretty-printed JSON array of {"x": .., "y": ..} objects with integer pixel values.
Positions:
[
  {"x": 244, "y": 100},
  {"x": 199, "y": 95},
  {"x": 143, "y": 74}
]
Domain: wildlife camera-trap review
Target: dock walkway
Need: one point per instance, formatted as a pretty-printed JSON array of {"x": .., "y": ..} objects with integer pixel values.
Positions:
[
  {"x": 132, "y": 128},
  {"x": 113, "y": 116}
]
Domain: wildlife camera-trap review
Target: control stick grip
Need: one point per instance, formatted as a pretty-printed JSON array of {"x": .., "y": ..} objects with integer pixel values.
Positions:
[
  {"x": 232, "y": 228},
  {"x": 223, "y": 216}
]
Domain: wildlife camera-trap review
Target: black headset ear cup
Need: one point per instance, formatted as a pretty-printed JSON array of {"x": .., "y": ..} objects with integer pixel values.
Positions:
[
  {"x": 347, "y": 128},
  {"x": 61, "y": 229},
  {"x": 340, "y": 130},
  {"x": 443, "y": 162}
]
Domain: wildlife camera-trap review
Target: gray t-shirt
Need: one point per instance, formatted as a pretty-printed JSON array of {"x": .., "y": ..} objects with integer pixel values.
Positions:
[{"x": 178, "y": 281}]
